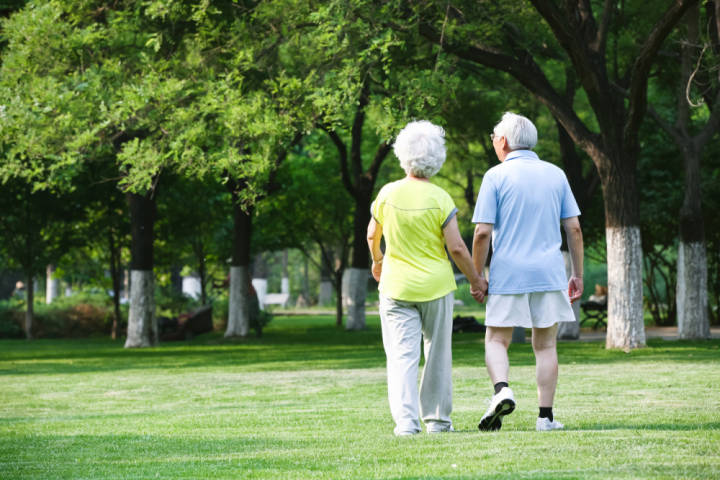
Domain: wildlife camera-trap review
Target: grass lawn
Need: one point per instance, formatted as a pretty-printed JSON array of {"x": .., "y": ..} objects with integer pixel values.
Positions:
[{"x": 309, "y": 401}]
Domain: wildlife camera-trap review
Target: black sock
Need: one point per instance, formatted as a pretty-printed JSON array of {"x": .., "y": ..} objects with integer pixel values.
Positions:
[
  {"x": 499, "y": 386},
  {"x": 546, "y": 412}
]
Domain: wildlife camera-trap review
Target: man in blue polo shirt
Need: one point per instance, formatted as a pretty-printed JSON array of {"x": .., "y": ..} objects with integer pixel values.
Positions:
[{"x": 521, "y": 205}]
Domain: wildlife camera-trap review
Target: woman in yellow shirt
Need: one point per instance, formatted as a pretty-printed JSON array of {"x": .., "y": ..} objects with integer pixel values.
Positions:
[{"x": 416, "y": 279}]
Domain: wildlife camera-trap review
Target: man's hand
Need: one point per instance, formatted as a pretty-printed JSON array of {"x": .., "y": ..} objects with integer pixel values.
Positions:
[
  {"x": 575, "y": 288},
  {"x": 479, "y": 289},
  {"x": 377, "y": 270}
]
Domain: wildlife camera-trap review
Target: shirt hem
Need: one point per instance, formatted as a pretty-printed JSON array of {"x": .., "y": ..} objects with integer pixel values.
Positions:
[{"x": 418, "y": 299}]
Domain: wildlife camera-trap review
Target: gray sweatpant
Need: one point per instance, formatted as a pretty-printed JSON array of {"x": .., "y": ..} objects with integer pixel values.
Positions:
[{"x": 403, "y": 326}]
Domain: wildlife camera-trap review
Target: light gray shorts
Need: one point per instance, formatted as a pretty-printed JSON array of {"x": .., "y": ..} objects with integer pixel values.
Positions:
[{"x": 536, "y": 309}]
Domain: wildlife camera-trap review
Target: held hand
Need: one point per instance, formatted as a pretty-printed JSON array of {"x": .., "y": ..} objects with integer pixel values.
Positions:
[
  {"x": 479, "y": 289},
  {"x": 376, "y": 271},
  {"x": 575, "y": 288}
]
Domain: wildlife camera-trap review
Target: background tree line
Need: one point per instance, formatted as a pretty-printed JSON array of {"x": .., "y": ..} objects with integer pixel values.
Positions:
[{"x": 167, "y": 134}]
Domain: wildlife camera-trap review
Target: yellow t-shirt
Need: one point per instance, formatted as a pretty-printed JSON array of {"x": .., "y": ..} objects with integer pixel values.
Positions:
[{"x": 412, "y": 214}]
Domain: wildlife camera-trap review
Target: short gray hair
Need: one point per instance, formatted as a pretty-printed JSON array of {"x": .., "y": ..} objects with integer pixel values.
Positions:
[
  {"x": 420, "y": 147},
  {"x": 519, "y": 132}
]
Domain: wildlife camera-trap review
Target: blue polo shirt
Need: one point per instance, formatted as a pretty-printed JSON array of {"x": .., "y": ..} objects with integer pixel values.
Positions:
[{"x": 525, "y": 198}]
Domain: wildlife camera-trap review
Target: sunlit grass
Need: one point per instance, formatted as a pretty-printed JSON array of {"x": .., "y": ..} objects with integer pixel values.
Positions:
[{"x": 309, "y": 401}]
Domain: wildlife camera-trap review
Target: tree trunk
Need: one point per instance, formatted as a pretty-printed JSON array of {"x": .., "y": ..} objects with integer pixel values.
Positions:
[
  {"x": 357, "y": 279},
  {"x": 339, "y": 275},
  {"x": 260, "y": 279},
  {"x": 692, "y": 298},
  {"x": 114, "y": 274},
  {"x": 626, "y": 326},
  {"x": 518, "y": 335},
  {"x": 285, "y": 282},
  {"x": 238, "y": 308},
  {"x": 29, "y": 307},
  {"x": 326, "y": 286},
  {"x": 52, "y": 285},
  {"x": 306, "y": 281},
  {"x": 202, "y": 273},
  {"x": 360, "y": 266},
  {"x": 142, "y": 323}
]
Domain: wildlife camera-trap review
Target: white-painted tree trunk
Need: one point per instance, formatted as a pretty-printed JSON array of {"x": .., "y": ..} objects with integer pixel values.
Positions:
[
  {"x": 52, "y": 285},
  {"x": 326, "y": 293},
  {"x": 692, "y": 299},
  {"x": 570, "y": 330},
  {"x": 626, "y": 327},
  {"x": 142, "y": 328},
  {"x": 356, "y": 293},
  {"x": 238, "y": 307},
  {"x": 261, "y": 288},
  {"x": 285, "y": 285}
]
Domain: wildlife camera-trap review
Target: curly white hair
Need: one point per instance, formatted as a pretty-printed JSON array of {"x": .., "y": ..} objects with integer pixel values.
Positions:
[{"x": 420, "y": 147}]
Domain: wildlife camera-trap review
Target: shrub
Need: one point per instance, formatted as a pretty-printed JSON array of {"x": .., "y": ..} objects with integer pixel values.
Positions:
[{"x": 11, "y": 318}]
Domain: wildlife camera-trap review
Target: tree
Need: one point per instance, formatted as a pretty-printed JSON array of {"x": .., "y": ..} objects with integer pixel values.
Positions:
[
  {"x": 691, "y": 137},
  {"x": 310, "y": 207},
  {"x": 614, "y": 80},
  {"x": 36, "y": 229}
]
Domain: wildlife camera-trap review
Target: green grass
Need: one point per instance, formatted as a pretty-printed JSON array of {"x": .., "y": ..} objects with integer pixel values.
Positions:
[{"x": 309, "y": 401}]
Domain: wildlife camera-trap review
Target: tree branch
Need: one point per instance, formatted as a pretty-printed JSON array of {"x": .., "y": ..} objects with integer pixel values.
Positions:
[
  {"x": 641, "y": 67},
  {"x": 356, "y": 132},
  {"x": 529, "y": 74},
  {"x": 600, "y": 43},
  {"x": 380, "y": 155},
  {"x": 669, "y": 129},
  {"x": 342, "y": 156}
]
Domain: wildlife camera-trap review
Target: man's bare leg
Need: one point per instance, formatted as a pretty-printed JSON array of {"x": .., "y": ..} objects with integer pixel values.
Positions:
[
  {"x": 497, "y": 340},
  {"x": 546, "y": 363}
]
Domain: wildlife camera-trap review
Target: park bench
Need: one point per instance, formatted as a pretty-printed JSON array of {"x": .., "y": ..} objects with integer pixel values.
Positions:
[
  {"x": 281, "y": 299},
  {"x": 187, "y": 325},
  {"x": 594, "y": 312}
]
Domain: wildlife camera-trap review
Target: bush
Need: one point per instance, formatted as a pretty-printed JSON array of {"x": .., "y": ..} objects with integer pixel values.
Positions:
[
  {"x": 11, "y": 318},
  {"x": 83, "y": 314}
]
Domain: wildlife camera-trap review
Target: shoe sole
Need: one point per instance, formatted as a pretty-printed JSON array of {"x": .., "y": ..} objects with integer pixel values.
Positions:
[{"x": 494, "y": 422}]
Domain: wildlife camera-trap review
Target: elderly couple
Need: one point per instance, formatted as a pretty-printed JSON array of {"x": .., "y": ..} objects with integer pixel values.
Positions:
[{"x": 521, "y": 205}]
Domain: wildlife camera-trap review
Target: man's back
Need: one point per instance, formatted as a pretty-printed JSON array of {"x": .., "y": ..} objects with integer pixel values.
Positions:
[{"x": 525, "y": 198}]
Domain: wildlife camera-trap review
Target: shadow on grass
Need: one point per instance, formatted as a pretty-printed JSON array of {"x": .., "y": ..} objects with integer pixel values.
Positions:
[{"x": 299, "y": 343}]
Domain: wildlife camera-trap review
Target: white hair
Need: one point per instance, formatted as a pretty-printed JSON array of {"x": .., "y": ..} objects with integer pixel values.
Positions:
[
  {"x": 519, "y": 132},
  {"x": 420, "y": 147}
]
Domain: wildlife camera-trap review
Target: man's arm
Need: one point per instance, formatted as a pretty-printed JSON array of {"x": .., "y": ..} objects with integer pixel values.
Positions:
[
  {"x": 575, "y": 245},
  {"x": 461, "y": 257},
  {"x": 480, "y": 249},
  {"x": 374, "y": 234}
]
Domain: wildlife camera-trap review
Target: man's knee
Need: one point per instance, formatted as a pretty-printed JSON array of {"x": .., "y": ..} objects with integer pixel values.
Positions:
[
  {"x": 544, "y": 338},
  {"x": 499, "y": 335}
]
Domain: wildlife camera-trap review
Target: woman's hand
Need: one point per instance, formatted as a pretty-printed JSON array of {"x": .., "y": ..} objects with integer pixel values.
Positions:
[
  {"x": 377, "y": 270},
  {"x": 478, "y": 289}
]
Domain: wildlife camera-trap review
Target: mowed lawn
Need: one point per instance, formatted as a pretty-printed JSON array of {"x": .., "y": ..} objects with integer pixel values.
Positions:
[{"x": 309, "y": 401}]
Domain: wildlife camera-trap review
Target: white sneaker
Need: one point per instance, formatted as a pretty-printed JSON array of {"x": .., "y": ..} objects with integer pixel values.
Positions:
[
  {"x": 502, "y": 403},
  {"x": 545, "y": 425},
  {"x": 448, "y": 428}
]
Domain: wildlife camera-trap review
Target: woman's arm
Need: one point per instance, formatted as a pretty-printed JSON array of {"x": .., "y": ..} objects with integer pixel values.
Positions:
[
  {"x": 460, "y": 254},
  {"x": 374, "y": 234}
]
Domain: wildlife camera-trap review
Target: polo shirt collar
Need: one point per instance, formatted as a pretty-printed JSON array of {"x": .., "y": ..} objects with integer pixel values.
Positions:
[{"x": 522, "y": 153}]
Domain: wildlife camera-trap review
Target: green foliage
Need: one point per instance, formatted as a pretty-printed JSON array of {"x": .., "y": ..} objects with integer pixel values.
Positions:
[{"x": 83, "y": 314}]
